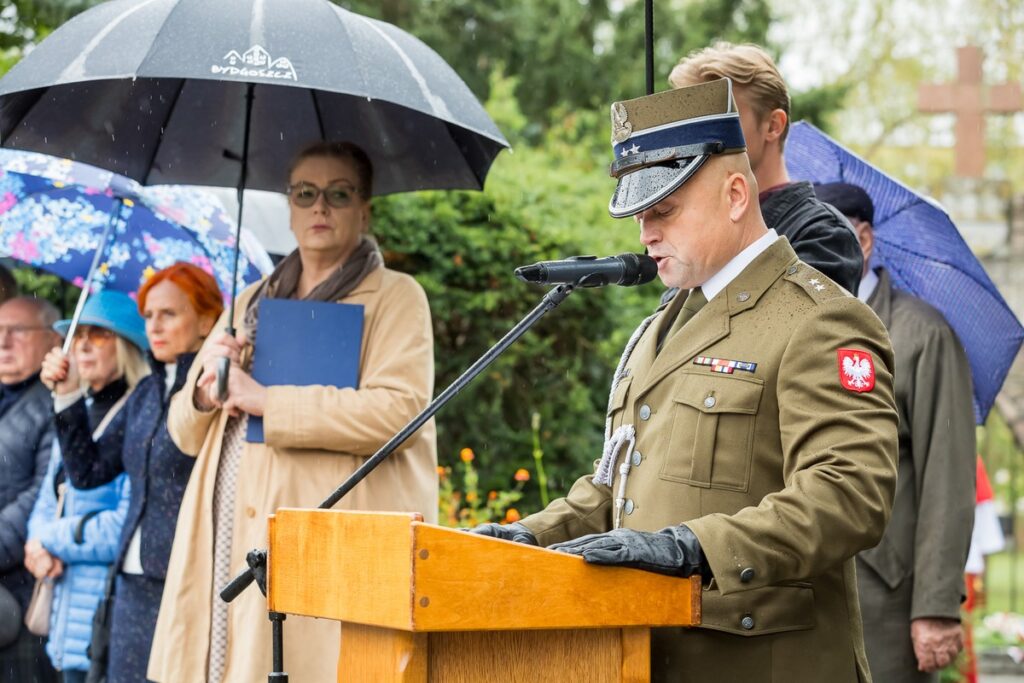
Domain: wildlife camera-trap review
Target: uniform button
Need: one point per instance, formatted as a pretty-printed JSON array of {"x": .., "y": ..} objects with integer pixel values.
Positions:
[
  {"x": 709, "y": 402},
  {"x": 747, "y": 575},
  {"x": 629, "y": 506},
  {"x": 636, "y": 458},
  {"x": 742, "y": 296},
  {"x": 791, "y": 270},
  {"x": 645, "y": 412},
  {"x": 747, "y": 622},
  {"x": 250, "y": 512}
]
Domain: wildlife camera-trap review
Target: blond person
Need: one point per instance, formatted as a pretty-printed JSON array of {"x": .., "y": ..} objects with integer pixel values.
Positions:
[
  {"x": 315, "y": 436},
  {"x": 73, "y": 533},
  {"x": 179, "y": 305}
]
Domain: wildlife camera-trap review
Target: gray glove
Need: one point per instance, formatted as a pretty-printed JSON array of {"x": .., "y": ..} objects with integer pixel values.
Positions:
[
  {"x": 674, "y": 550},
  {"x": 506, "y": 532}
]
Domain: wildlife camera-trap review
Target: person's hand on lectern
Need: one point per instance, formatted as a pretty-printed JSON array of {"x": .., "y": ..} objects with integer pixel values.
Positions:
[
  {"x": 507, "y": 532},
  {"x": 673, "y": 550}
]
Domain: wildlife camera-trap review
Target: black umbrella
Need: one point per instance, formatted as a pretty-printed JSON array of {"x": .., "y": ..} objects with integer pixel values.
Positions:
[
  {"x": 226, "y": 92},
  {"x": 158, "y": 90}
]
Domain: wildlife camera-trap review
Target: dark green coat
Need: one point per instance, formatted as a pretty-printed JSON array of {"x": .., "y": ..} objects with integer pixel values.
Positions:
[
  {"x": 782, "y": 473},
  {"x": 918, "y": 568}
]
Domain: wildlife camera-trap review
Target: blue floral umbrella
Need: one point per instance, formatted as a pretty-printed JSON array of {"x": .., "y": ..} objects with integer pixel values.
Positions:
[
  {"x": 917, "y": 242},
  {"x": 87, "y": 225}
]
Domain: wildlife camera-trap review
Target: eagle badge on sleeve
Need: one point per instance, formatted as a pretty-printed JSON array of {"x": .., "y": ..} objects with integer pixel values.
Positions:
[{"x": 856, "y": 370}]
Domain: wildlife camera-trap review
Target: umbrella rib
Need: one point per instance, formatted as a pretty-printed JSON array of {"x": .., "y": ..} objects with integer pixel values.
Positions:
[
  {"x": 22, "y": 119},
  {"x": 979, "y": 283},
  {"x": 341, "y": 22},
  {"x": 319, "y": 114},
  {"x": 152, "y": 45},
  {"x": 163, "y": 128}
]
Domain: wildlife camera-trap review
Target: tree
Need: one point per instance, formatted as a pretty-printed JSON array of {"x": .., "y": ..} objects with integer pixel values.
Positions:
[{"x": 566, "y": 54}]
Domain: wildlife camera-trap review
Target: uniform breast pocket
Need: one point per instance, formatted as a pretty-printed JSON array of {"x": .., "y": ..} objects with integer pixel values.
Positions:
[{"x": 712, "y": 431}]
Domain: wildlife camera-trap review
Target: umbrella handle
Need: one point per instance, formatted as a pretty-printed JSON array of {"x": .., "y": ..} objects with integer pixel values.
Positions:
[{"x": 223, "y": 368}]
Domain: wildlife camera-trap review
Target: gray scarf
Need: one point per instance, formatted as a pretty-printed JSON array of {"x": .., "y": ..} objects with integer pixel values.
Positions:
[{"x": 284, "y": 281}]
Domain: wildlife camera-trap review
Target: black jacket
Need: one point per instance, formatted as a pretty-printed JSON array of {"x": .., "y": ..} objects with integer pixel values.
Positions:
[
  {"x": 26, "y": 434},
  {"x": 136, "y": 441},
  {"x": 819, "y": 234}
]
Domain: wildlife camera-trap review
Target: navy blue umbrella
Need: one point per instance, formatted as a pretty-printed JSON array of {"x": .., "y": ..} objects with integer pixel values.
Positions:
[{"x": 917, "y": 242}]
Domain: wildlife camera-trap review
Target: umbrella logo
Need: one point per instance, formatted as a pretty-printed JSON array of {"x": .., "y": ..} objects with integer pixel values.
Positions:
[{"x": 255, "y": 62}]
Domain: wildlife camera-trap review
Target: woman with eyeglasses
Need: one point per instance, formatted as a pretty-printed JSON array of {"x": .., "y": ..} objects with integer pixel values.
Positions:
[
  {"x": 73, "y": 533},
  {"x": 179, "y": 305},
  {"x": 314, "y": 436}
]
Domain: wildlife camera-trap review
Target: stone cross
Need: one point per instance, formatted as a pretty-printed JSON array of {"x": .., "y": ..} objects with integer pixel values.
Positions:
[{"x": 970, "y": 99}]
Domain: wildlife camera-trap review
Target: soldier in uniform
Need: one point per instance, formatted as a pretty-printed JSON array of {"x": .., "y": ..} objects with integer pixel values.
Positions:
[
  {"x": 751, "y": 432},
  {"x": 819, "y": 234}
]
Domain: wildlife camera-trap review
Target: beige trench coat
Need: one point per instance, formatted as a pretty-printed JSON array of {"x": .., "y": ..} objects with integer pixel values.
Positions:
[{"x": 315, "y": 437}]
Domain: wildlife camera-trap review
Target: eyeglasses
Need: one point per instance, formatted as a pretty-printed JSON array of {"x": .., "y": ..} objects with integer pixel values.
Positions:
[
  {"x": 304, "y": 195},
  {"x": 97, "y": 336},
  {"x": 20, "y": 332}
]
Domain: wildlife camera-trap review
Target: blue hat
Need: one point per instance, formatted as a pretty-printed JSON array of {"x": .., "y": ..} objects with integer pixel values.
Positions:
[
  {"x": 114, "y": 311},
  {"x": 661, "y": 140}
]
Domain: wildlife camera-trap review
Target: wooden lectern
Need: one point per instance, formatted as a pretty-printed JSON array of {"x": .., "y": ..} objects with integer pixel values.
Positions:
[{"x": 424, "y": 603}]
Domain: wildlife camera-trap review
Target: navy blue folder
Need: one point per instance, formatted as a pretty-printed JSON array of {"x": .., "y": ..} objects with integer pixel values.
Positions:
[{"x": 302, "y": 343}]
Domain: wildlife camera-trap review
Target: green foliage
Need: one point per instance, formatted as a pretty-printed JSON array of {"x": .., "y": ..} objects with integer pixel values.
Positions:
[
  {"x": 462, "y": 504},
  {"x": 566, "y": 54},
  {"x": 462, "y": 249},
  {"x": 818, "y": 104},
  {"x": 33, "y": 282},
  {"x": 29, "y": 21}
]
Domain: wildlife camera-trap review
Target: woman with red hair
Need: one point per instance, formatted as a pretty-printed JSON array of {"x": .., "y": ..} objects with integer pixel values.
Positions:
[{"x": 180, "y": 305}]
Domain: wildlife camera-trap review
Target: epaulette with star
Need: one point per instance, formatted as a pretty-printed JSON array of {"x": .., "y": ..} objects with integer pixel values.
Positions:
[{"x": 818, "y": 287}]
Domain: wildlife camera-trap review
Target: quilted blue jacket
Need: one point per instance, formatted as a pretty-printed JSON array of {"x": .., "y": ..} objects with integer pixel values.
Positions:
[{"x": 85, "y": 539}]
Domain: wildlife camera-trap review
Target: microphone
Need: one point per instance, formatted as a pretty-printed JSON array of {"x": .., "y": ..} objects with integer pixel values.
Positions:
[{"x": 590, "y": 271}]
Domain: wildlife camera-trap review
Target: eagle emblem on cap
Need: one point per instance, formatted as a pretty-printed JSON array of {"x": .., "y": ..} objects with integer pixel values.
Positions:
[{"x": 621, "y": 127}]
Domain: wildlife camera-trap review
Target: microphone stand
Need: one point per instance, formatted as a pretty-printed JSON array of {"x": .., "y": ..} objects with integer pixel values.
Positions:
[{"x": 257, "y": 559}]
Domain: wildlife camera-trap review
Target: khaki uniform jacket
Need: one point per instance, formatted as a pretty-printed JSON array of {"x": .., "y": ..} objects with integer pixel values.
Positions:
[
  {"x": 315, "y": 437},
  {"x": 918, "y": 568},
  {"x": 782, "y": 473}
]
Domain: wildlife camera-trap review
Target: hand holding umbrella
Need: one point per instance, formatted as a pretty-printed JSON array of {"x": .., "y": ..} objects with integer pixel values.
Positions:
[{"x": 59, "y": 373}]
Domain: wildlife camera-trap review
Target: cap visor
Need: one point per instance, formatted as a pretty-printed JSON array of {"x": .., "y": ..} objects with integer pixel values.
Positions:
[{"x": 642, "y": 189}]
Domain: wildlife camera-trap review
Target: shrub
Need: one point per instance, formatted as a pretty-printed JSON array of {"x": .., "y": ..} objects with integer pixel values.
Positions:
[{"x": 462, "y": 249}]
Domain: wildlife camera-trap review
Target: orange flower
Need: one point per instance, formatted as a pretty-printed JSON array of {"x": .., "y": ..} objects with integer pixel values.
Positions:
[
  {"x": 492, "y": 495},
  {"x": 457, "y": 259},
  {"x": 440, "y": 472},
  {"x": 512, "y": 515},
  {"x": 466, "y": 454},
  {"x": 522, "y": 474},
  {"x": 470, "y": 496}
]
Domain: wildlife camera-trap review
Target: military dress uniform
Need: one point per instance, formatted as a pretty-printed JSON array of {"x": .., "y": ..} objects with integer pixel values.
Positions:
[
  {"x": 765, "y": 424},
  {"x": 781, "y": 471}
]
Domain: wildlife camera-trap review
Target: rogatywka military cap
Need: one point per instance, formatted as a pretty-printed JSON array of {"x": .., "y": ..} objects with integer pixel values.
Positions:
[{"x": 661, "y": 140}]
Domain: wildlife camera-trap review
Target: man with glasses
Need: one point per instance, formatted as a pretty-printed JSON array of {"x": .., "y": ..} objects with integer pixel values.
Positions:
[{"x": 26, "y": 433}]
